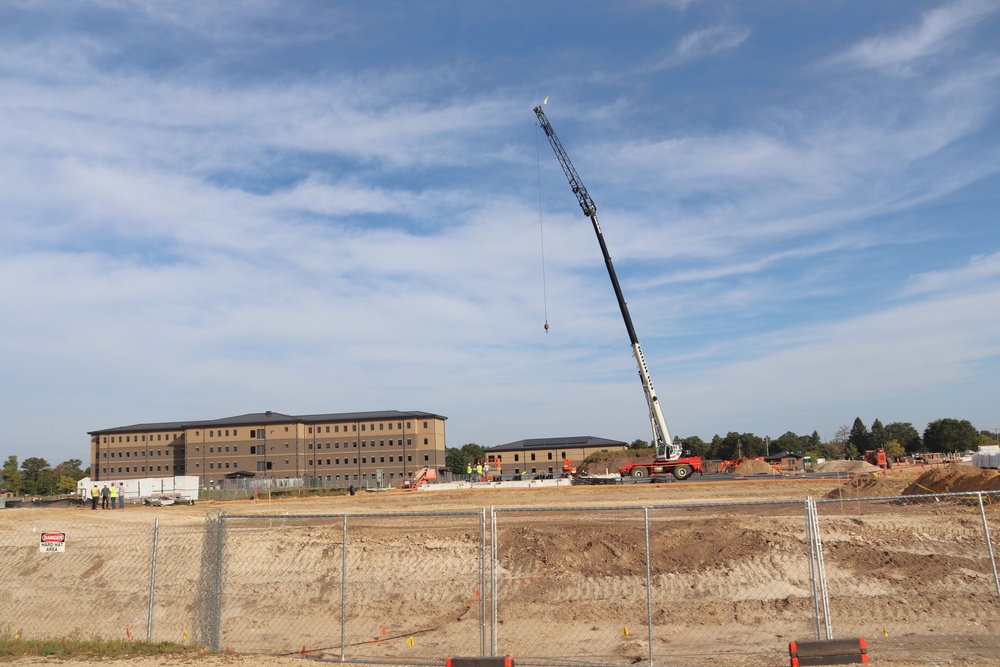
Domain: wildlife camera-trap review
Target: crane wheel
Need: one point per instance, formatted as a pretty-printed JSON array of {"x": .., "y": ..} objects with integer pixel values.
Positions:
[
  {"x": 639, "y": 471},
  {"x": 729, "y": 470},
  {"x": 682, "y": 472}
]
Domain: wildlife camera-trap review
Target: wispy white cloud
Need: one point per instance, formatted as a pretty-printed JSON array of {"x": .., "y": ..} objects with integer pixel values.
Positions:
[
  {"x": 939, "y": 30},
  {"x": 701, "y": 44},
  {"x": 981, "y": 273}
]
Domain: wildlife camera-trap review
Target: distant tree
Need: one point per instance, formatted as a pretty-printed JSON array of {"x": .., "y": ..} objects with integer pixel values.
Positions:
[
  {"x": 11, "y": 475},
  {"x": 894, "y": 450},
  {"x": 31, "y": 475},
  {"x": 814, "y": 440},
  {"x": 906, "y": 435},
  {"x": 877, "y": 438},
  {"x": 71, "y": 468},
  {"x": 66, "y": 484},
  {"x": 859, "y": 439},
  {"x": 951, "y": 435},
  {"x": 851, "y": 452},
  {"x": 454, "y": 459},
  {"x": 788, "y": 442},
  {"x": 459, "y": 459},
  {"x": 639, "y": 444},
  {"x": 835, "y": 448},
  {"x": 473, "y": 452},
  {"x": 694, "y": 444}
]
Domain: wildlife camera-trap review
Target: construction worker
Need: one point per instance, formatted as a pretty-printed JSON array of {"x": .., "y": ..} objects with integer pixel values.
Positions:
[
  {"x": 468, "y": 471},
  {"x": 105, "y": 497},
  {"x": 121, "y": 495},
  {"x": 114, "y": 496},
  {"x": 479, "y": 472},
  {"x": 95, "y": 493}
]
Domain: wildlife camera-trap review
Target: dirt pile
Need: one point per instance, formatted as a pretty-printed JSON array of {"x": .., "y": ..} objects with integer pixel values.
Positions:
[
  {"x": 868, "y": 486},
  {"x": 754, "y": 468},
  {"x": 600, "y": 463},
  {"x": 846, "y": 466},
  {"x": 954, "y": 478}
]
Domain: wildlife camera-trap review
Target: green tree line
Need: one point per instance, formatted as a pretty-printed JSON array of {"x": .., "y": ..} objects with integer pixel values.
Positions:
[
  {"x": 898, "y": 439},
  {"x": 35, "y": 477}
]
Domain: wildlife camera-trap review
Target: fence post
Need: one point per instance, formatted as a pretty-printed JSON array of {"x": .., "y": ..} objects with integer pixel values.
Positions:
[
  {"x": 152, "y": 581},
  {"x": 817, "y": 571},
  {"x": 989, "y": 544},
  {"x": 493, "y": 581},
  {"x": 343, "y": 595},
  {"x": 649, "y": 586},
  {"x": 482, "y": 584}
]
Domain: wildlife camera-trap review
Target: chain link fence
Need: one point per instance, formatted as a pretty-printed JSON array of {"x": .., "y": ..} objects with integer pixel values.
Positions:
[{"x": 706, "y": 584}]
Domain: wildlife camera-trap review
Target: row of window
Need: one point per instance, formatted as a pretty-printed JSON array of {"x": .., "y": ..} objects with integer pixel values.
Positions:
[
  {"x": 364, "y": 459},
  {"x": 134, "y": 469},
  {"x": 142, "y": 438},
  {"x": 136, "y": 454},
  {"x": 517, "y": 457}
]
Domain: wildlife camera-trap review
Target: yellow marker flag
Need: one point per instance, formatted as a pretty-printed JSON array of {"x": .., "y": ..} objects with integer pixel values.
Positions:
[
  {"x": 410, "y": 641},
  {"x": 185, "y": 634},
  {"x": 885, "y": 632},
  {"x": 625, "y": 631},
  {"x": 17, "y": 634}
]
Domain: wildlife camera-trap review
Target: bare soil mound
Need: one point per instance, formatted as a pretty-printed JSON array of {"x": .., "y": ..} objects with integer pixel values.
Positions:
[
  {"x": 954, "y": 478},
  {"x": 846, "y": 466},
  {"x": 600, "y": 463},
  {"x": 754, "y": 468},
  {"x": 868, "y": 486}
]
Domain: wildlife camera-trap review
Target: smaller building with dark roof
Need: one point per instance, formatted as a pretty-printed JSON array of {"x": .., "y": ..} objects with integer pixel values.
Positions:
[{"x": 548, "y": 455}]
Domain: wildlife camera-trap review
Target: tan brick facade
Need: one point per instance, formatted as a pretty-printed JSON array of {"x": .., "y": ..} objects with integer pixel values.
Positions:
[{"x": 328, "y": 449}]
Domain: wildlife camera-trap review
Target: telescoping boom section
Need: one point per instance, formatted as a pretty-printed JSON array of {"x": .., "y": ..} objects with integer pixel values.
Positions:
[{"x": 668, "y": 454}]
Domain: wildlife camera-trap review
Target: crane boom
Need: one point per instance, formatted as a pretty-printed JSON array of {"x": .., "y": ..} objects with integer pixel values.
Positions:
[{"x": 666, "y": 450}]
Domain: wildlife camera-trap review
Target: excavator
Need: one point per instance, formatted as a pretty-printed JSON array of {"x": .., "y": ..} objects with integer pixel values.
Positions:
[{"x": 669, "y": 458}]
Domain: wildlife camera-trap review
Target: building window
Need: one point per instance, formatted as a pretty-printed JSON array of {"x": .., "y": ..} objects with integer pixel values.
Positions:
[
  {"x": 425, "y": 424},
  {"x": 550, "y": 456},
  {"x": 532, "y": 457}
]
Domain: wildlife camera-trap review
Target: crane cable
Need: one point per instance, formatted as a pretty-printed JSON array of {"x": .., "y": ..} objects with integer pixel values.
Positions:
[{"x": 541, "y": 228}]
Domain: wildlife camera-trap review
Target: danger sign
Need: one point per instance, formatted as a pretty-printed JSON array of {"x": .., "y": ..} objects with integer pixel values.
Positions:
[{"x": 53, "y": 543}]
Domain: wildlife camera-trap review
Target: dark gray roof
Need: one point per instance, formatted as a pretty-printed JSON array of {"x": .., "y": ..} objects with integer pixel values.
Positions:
[
  {"x": 270, "y": 417},
  {"x": 574, "y": 442}
]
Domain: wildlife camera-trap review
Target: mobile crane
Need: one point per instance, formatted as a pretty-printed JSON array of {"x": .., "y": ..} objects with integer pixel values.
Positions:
[{"x": 669, "y": 457}]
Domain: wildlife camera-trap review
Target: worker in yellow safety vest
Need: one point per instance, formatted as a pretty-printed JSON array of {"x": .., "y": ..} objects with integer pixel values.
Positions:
[
  {"x": 95, "y": 493},
  {"x": 114, "y": 496}
]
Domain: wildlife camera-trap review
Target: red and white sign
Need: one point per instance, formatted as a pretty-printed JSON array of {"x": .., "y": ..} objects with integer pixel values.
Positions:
[{"x": 53, "y": 543}]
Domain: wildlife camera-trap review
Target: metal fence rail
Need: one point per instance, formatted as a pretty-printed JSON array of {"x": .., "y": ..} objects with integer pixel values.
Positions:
[{"x": 707, "y": 584}]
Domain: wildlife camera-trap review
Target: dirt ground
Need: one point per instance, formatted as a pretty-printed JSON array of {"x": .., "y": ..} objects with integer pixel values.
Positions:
[{"x": 736, "y": 553}]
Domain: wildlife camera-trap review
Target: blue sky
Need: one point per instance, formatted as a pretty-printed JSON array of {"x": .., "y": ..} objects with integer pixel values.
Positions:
[{"x": 211, "y": 209}]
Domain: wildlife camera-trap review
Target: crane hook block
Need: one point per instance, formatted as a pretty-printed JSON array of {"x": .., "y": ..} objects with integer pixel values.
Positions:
[{"x": 546, "y": 327}]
